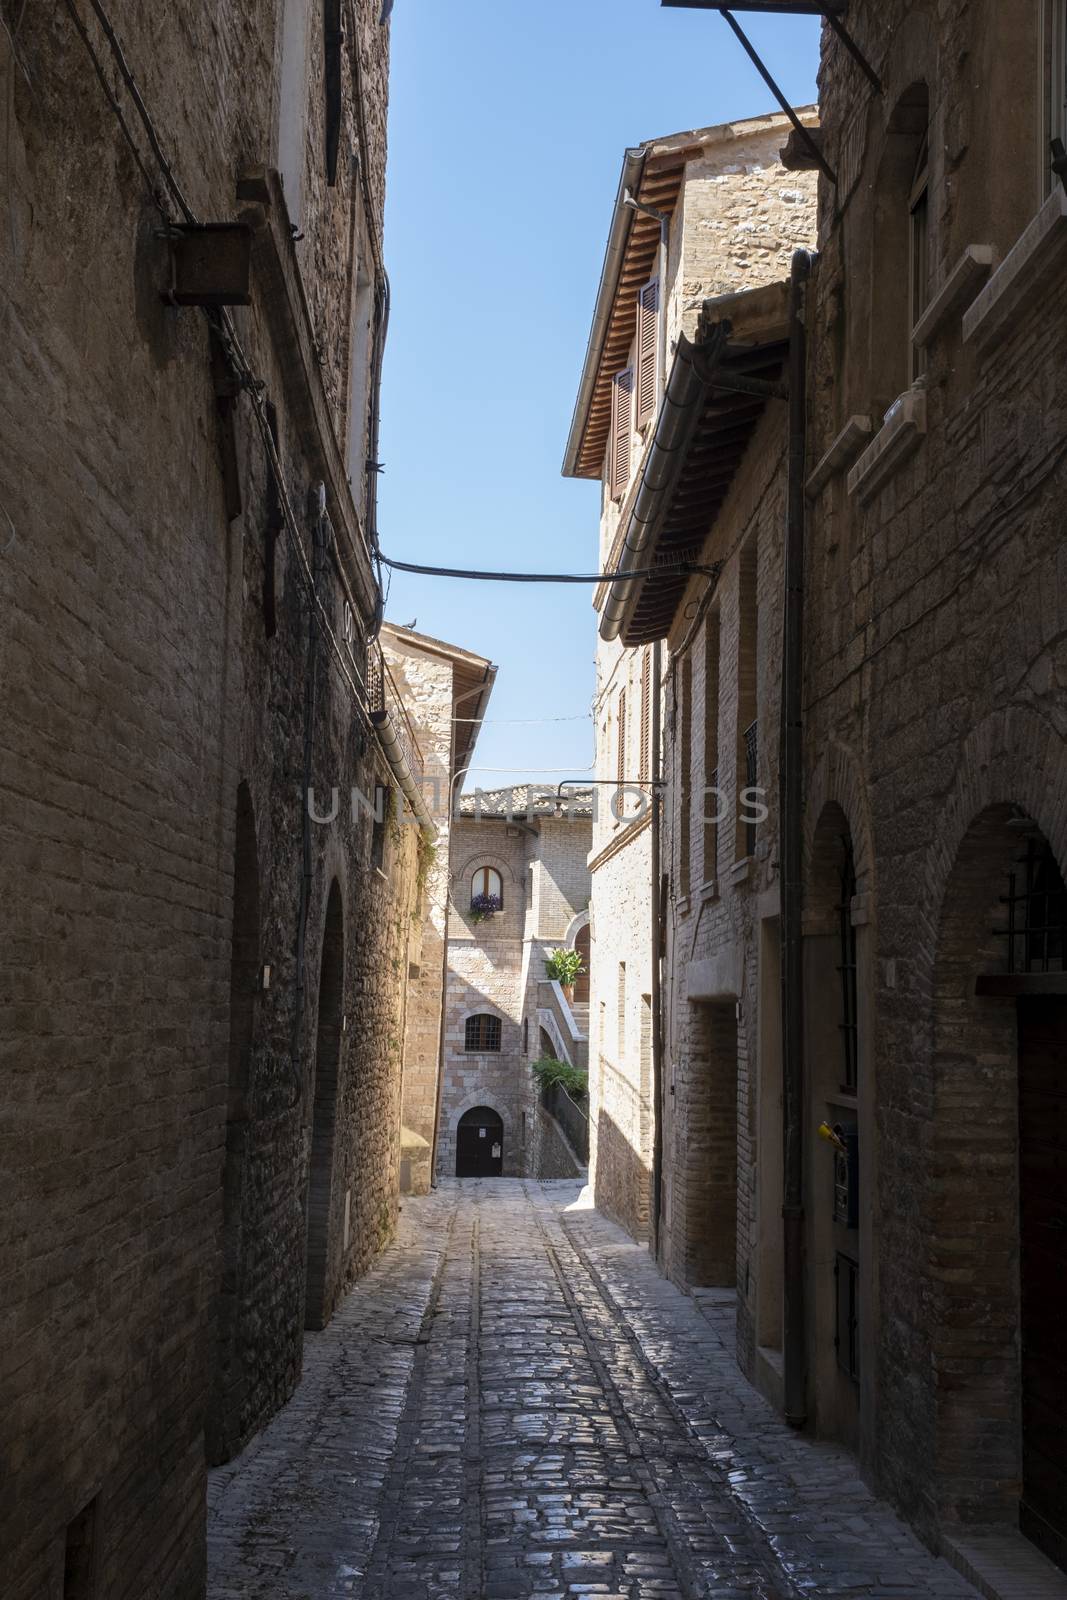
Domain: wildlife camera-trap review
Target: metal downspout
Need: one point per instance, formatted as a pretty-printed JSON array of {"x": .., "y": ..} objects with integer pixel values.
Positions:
[
  {"x": 657, "y": 943},
  {"x": 790, "y": 799}
]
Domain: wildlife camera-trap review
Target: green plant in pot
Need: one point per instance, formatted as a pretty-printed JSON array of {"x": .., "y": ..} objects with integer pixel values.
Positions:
[{"x": 564, "y": 967}]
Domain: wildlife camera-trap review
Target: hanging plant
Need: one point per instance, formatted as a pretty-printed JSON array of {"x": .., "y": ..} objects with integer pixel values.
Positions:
[{"x": 484, "y": 905}]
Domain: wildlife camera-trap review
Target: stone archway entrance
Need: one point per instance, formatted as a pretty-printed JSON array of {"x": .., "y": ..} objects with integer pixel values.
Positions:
[
  {"x": 1000, "y": 1165},
  {"x": 480, "y": 1144},
  {"x": 581, "y": 986}
]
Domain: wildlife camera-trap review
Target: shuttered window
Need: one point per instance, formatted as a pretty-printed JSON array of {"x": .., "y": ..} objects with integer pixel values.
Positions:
[
  {"x": 647, "y": 351},
  {"x": 645, "y": 772},
  {"x": 620, "y": 753},
  {"x": 622, "y": 421}
]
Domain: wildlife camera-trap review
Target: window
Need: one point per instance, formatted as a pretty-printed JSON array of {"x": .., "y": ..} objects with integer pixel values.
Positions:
[
  {"x": 647, "y": 351},
  {"x": 482, "y": 1033},
  {"x": 710, "y": 805},
  {"x": 747, "y": 746},
  {"x": 1036, "y": 904},
  {"x": 622, "y": 1010},
  {"x": 526, "y": 1036},
  {"x": 846, "y": 1320},
  {"x": 919, "y": 249},
  {"x": 622, "y": 421},
  {"x": 685, "y": 776},
  {"x": 847, "y": 971},
  {"x": 620, "y": 748},
  {"x": 377, "y": 838},
  {"x": 644, "y": 764},
  {"x": 487, "y": 890},
  {"x": 751, "y": 737}
]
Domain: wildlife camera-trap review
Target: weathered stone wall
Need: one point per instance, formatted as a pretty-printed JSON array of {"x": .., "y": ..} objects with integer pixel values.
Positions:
[
  {"x": 142, "y": 687},
  {"x": 936, "y": 607}
]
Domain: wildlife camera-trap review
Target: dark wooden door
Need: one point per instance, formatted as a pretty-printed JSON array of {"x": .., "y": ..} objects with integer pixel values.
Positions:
[
  {"x": 480, "y": 1144},
  {"x": 581, "y": 987},
  {"x": 1043, "y": 1221}
]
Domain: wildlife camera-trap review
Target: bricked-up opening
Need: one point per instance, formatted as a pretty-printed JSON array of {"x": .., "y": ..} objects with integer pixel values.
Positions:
[
  {"x": 997, "y": 1258},
  {"x": 710, "y": 800},
  {"x": 229, "y": 1381},
  {"x": 900, "y": 258},
  {"x": 79, "y": 1556},
  {"x": 746, "y": 756},
  {"x": 319, "y": 1298},
  {"x": 706, "y": 1118}
]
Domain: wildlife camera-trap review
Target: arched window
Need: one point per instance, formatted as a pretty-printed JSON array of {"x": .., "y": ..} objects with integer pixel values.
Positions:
[
  {"x": 901, "y": 252},
  {"x": 487, "y": 886},
  {"x": 482, "y": 1033}
]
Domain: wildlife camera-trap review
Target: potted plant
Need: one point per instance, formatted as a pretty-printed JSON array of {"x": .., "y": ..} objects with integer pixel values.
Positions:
[
  {"x": 563, "y": 967},
  {"x": 484, "y": 905}
]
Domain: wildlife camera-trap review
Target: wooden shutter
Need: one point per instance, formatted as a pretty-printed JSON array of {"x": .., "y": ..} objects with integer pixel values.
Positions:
[
  {"x": 646, "y": 713},
  {"x": 622, "y": 422},
  {"x": 620, "y": 765},
  {"x": 647, "y": 350}
]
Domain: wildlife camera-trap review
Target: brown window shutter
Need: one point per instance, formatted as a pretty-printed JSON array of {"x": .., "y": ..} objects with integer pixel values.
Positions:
[
  {"x": 647, "y": 350},
  {"x": 646, "y": 708},
  {"x": 622, "y": 422},
  {"x": 620, "y": 767}
]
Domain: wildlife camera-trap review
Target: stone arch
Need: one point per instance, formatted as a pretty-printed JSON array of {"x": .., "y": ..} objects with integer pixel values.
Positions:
[
  {"x": 482, "y": 858},
  {"x": 229, "y": 1379},
  {"x": 471, "y": 1103},
  {"x": 1009, "y": 786},
  {"x": 574, "y": 928},
  {"x": 836, "y": 781},
  {"x": 579, "y": 937}
]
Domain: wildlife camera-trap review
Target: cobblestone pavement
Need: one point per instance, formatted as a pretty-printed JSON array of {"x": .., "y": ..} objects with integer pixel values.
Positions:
[{"x": 514, "y": 1403}]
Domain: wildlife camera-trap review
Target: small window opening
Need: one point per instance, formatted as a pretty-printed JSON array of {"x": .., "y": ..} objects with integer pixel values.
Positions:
[
  {"x": 377, "y": 842},
  {"x": 487, "y": 891},
  {"x": 482, "y": 1033},
  {"x": 919, "y": 249},
  {"x": 1036, "y": 904}
]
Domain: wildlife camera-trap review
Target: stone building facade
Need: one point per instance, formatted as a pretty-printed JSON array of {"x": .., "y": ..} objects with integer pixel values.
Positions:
[
  {"x": 446, "y": 691},
  {"x": 501, "y": 1012},
  {"x": 935, "y": 768},
  {"x": 726, "y": 217},
  {"x": 897, "y": 1123},
  {"x": 203, "y": 983}
]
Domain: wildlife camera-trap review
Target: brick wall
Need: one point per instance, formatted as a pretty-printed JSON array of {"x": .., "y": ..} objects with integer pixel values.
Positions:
[{"x": 154, "y": 1229}]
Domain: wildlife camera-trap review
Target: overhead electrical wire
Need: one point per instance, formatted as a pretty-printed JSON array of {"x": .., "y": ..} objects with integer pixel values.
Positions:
[{"x": 665, "y": 570}]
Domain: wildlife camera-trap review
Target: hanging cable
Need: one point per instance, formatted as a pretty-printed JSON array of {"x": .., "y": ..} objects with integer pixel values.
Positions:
[{"x": 682, "y": 569}]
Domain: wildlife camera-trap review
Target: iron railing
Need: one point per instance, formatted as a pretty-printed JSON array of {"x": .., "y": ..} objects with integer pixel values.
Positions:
[{"x": 384, "y": 696}]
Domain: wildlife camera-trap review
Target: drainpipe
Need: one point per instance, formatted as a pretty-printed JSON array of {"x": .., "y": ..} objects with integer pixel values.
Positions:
[
  {"x": 657, "y": 943},
  {"x": 790, "y": 800}
]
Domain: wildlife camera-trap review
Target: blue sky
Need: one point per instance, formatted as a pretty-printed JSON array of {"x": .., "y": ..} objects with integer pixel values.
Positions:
[{"x": 508, "y": 122}]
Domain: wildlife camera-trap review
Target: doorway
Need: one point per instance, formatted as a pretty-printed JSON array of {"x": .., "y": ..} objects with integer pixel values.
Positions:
[
  {"x": 581, "y": 983},
  {"x": 480, "y": 1144},
  {"x": 1043, "y": 1269}
]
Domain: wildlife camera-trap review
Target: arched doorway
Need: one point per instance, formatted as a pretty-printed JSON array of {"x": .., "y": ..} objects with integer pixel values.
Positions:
[
  {"x": 581, "y": 987},
  {"x": 319, "y": 1291},
  {"x": 480, "y": 1144},
  {"x": 229, "y": 1381},
  {"x": 1000, "y": 1160}
]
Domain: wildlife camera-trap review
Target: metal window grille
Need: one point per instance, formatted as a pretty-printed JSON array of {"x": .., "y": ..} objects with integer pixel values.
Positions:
[
  {"x": 846, "y": 1318},
  {"x": 1036, "y": 903},
  {"x": 751, "y": 737},
  {"x": 482, "y": 1033},
  {"x": 847, "y": 970}
]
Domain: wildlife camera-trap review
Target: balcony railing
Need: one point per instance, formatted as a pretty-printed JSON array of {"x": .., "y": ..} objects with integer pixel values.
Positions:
[{"x": 384, "y": 696}]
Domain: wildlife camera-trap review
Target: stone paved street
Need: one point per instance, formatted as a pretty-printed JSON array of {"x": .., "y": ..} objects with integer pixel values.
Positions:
[{"x": 514, "y": 1403}]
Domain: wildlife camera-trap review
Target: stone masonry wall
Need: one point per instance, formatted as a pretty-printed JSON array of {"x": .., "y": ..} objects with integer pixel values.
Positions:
[
  {"x": 142, "y": 688},
  {"x": 935, "y": 661}
]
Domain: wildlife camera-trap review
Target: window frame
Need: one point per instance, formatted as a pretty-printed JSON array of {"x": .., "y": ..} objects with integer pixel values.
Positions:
[
  {"x": 1053, "y": 98},
  {"x": 484, "y": 872},
  {"x": 492, "y": 1030},
  {"x": 919, "y": 275}
]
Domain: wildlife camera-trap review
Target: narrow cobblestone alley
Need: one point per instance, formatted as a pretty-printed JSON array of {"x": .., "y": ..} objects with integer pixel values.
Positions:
[{"x": 513, "y": 1403}]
